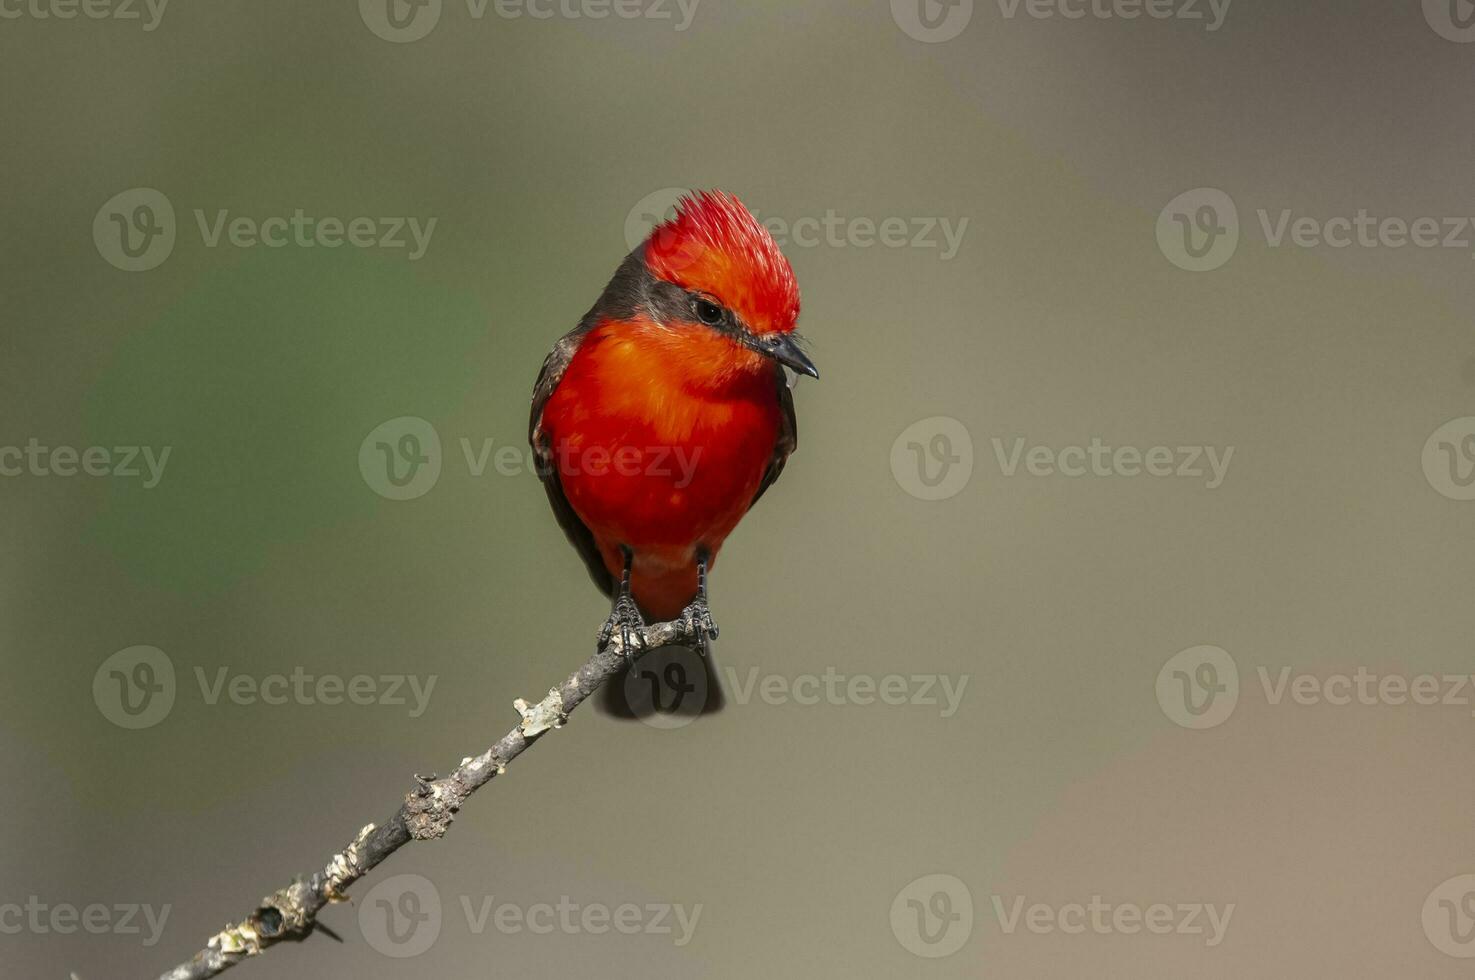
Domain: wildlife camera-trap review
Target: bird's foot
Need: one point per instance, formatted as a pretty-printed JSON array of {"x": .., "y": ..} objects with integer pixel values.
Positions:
[
  {"x": 625, "y": 620},
  {"x": 698, "y": 623}
]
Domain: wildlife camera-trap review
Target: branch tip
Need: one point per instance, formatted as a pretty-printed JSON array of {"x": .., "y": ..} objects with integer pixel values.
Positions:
[{"x": 425, "y": 813}]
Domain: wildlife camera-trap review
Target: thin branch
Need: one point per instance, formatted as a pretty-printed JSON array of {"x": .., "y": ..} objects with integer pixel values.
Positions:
[{"x": 426, "y": 813}]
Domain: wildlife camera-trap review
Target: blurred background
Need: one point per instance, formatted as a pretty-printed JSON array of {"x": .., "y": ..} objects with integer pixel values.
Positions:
[{"x": 1113, "y": 617}]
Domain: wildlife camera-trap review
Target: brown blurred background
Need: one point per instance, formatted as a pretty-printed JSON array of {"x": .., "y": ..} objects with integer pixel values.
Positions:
[{"x": 1072, "y": 158}]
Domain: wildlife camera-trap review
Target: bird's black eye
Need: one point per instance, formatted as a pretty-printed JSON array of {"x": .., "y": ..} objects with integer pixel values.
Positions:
[{"x": 708, "y": 313}]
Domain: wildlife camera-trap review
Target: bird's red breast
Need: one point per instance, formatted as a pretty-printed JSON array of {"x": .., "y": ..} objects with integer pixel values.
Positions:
[{"x": 655, "y": 455}]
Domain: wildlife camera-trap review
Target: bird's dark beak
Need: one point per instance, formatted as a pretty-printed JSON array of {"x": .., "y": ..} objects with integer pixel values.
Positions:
[{"x": 783, "y": 348}]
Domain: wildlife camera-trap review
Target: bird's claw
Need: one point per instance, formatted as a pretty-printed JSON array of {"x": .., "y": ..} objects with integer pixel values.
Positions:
[
  {"x": 626, "y": 618},
  {"x": 699, "y": 623}
]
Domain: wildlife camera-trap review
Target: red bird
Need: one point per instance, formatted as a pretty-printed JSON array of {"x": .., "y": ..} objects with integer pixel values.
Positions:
[{"x": 666, "y": 413}]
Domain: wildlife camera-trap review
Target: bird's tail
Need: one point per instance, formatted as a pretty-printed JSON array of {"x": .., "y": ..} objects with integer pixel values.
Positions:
[{"x": 667, "y": 687}]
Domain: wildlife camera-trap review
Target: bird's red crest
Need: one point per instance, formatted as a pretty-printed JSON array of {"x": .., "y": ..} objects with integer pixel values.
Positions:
[{"x": 715, "y": 245}]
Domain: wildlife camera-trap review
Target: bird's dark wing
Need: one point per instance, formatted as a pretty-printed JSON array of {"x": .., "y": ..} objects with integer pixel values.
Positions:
[
  {"x": 621, "y": 298},
  {"x": 788, "y": 434},
  {"x": 578, "y": 533}
]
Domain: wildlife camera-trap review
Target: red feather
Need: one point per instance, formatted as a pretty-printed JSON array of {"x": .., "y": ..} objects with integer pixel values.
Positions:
[{"x": 715, "y": 245}]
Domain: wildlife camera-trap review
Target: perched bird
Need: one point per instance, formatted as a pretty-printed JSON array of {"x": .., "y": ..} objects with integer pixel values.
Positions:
[{"x": 666, "y": 413}]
